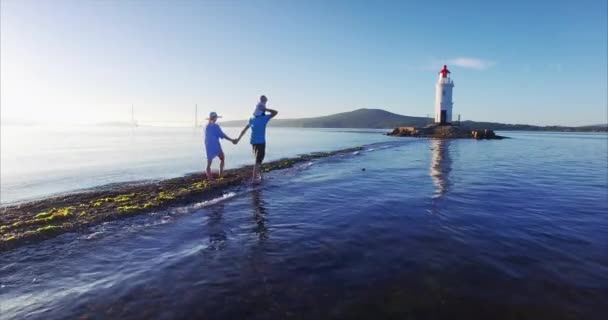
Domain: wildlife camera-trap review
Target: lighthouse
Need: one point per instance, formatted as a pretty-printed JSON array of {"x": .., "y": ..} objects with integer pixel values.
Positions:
[{"x": 443, "y": 97}]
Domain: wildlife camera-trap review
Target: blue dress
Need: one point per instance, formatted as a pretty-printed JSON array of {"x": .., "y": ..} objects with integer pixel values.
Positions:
[{"x": 213, "y": 134}]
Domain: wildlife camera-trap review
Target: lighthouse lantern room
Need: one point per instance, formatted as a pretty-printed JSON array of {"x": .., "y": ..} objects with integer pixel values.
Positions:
[{"x": 443, "y": 97}]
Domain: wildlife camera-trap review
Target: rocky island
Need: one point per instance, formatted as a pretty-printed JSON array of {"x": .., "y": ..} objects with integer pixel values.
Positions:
[
  {"x": 443, "y": 127},
  {"x": 444, "y": 132}
]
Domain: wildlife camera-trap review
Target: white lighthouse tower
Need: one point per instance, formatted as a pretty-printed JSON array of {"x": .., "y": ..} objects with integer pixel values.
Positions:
[{"x": 443, "y": 97}]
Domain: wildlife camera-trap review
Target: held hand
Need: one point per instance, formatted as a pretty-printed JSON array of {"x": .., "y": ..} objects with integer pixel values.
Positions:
[{"x": 235, "y": 141}]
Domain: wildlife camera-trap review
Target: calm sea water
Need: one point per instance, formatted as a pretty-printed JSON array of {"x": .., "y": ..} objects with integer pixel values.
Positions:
[
  {"x": 42, "y": 161},
  {"x": 511, "y": 229}
]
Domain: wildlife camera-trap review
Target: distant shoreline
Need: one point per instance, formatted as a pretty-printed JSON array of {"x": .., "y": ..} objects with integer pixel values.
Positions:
[
  {"x": 229, "y": 125},
  {"x": 235, "y": 124},
  {"x": 357, "y": 119}
]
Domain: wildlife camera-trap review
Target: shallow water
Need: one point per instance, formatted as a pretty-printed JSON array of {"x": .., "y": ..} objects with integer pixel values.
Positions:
[
  {"x": 40, "y": 161},
  {"x": 516, "y": 228}
]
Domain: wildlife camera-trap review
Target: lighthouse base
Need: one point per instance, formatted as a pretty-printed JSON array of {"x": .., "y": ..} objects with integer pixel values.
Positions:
[{"x": 443, "y": 118}]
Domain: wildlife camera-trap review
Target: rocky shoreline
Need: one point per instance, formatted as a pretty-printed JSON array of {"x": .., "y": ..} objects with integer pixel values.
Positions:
[
  {"x": 43, "y": 219},
  {"x": 444, "y": 132}
]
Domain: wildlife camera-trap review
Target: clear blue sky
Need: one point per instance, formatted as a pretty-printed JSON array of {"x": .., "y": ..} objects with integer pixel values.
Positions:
[{"x": 538, "y": 62}]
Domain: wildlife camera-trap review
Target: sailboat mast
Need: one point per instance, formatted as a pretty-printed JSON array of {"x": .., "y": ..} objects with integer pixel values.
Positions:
[{"x": 196, "y": 115}]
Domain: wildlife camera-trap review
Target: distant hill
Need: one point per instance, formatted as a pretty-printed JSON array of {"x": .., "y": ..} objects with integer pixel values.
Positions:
[
  {"x": 361, "y": 118},
  {"x": 595, "y": 127},
  {"x": 381, "y": 119}
]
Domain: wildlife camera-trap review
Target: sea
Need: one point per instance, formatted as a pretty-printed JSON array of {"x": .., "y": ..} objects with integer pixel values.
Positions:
[{"x": 408, "y": 228}]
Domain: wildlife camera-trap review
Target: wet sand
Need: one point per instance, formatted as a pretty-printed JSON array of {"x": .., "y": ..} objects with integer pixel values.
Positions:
[{"x": 33, "y": 221}]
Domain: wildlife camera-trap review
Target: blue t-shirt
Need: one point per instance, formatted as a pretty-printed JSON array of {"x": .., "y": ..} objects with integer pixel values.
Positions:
[
  {"x": 258, "y": 129},
  {"x": 213, "y": 134}
]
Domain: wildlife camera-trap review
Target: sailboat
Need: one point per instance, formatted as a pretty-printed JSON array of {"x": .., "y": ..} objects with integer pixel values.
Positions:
[{"x": 133, "y": 122}]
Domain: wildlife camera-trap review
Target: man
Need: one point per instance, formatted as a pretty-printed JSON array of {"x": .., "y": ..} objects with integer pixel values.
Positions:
[
  {"x": 258, "y": 135},
  {"x": 213, "y": 134}
]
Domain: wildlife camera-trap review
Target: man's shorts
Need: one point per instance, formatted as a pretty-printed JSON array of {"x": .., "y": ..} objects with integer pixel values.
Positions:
[{"x": 260, "y": 152}]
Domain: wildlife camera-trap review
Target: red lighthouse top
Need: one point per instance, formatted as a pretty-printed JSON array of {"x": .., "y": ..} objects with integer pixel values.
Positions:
[{"x": 444, "y": 72}]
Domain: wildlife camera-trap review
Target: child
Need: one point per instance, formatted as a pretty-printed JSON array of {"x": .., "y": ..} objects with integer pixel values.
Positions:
[
  {"x": 260, "y": 108},
  {"x": 213, "y": 134}
]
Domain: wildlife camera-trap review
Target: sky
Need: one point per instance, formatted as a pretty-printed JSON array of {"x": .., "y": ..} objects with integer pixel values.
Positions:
[{"x": 534, "y": 62}]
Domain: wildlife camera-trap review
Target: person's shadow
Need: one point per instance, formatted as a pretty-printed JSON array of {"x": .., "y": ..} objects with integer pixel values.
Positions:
[{"x": 259, "y": 214}]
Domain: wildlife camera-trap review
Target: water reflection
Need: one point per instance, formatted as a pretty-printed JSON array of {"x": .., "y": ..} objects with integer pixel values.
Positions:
[
  {"x": 215, "y": 224},
  {"x": 441, "y": 165},
  {"x": 259, "y": 214}
]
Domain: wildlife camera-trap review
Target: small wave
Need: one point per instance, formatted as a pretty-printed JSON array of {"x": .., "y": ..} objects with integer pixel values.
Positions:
[
  {"x": 306, "y": 165},
  {"x": 94, "y": 235},
  {"x": 164, "y": 220},
  {"x": 377, "y": 148},
  {"x": 384, "y": 145},
  {"x": 224, "y": 197}
]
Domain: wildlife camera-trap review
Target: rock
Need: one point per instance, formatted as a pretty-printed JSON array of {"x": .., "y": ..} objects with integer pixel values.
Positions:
[
  {"x": 403, "y": 132},
  {"x": 484, "y": 134},
  {"x": 446, "y": 132}
]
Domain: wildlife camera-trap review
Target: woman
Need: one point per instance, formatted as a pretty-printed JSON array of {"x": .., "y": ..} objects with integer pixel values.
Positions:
[{"x": 213, "y": 134}]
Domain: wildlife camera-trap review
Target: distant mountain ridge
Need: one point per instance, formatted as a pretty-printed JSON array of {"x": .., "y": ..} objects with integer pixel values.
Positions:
[
  {"x": 361, "y": 118},
  {"x": 382, "y": 119}
]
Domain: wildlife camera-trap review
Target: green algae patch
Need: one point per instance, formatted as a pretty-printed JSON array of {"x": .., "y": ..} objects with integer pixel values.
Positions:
[
  {"x": 43, "y": 215},
  {"x": 8, "y": 237},
  {"x": 62, "y": 212},
  {"x": 119, "y": 198},
  {"x": 200, "y": 185},
  {"x": 124, "y": 197},
  {"x": 158, "y": 200},
  {"x": 150, "y": 205},
  {"x": 165, "y": 196},
  {"x": 97, "y": 203},
  {"x": 48, "y": 229},
  {"x": 129, "y": 208},
  {"x": 53, "y": 214}
]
